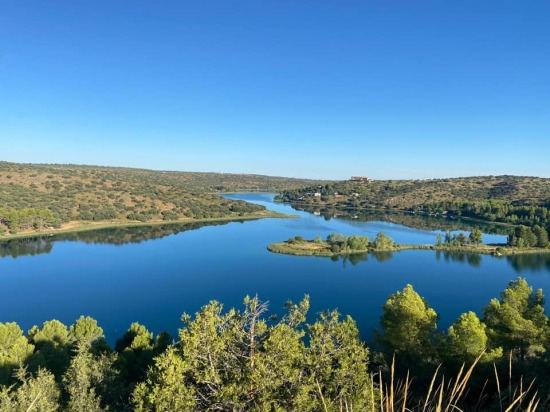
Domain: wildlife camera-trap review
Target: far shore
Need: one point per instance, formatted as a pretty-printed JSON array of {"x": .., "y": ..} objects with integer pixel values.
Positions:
[{"x": 76, "y": 226}]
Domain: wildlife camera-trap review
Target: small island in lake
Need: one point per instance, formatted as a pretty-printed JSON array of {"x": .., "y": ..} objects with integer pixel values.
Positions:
[{"x": 337, "y": 244}]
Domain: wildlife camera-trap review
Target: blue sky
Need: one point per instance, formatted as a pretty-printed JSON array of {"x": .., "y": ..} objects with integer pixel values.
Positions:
[{"x": 320, "y": 89}]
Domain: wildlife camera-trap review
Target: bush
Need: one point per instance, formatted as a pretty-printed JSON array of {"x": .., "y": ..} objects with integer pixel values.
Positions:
[
  {"x": 335, "y": 249},
  {"x": 169, "y": 215}
]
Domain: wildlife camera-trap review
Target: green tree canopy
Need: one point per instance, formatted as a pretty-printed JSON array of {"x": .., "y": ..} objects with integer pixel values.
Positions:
[
  {"x": 409, "y": 324},
  {"x": 14, "y": 349},
  {"x": 85, "y": 377},
  {"x": 34, "y": 393},
  {"x": 517, "y": 322},
  {"x": 466, "y": 339},
  {"x": 237, "y": 361},
  {"x": 382, "y": 241},
  {"x": 85, "y": 328},
  {"x": 52, "y": 346},
  {"x": 336, "y": 238},
  {"x": 476, "y": 237}
]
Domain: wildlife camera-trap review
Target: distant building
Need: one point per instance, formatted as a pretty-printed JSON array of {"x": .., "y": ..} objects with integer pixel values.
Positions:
[{"x": 360, "y": 179}]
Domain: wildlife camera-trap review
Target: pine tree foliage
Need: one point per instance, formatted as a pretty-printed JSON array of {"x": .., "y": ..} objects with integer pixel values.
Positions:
[{"x": 517, "y": 322}]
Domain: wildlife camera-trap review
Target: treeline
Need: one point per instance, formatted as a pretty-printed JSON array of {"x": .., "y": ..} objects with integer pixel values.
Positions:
[
  {"x": 526, "y": 237},
  {"x": 335, "y": 244},
  {"x": 31, "y": 218},
  {"x": 493, "y": 211},
  {"x": 249, "y": 361},
  {"x": 512, "y": 338},
  {"x": 347, "y": 244},
  {"x": 225, "y": 361},
  {"x": 459, "y": 239}
]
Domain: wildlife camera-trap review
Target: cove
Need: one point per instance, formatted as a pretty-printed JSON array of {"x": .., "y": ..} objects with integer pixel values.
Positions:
[{"x": 153, "y": 274}]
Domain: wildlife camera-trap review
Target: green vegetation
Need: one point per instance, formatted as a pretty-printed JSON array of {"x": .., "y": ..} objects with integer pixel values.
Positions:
[
  {"x": 249, "y": 361},
  {"x": 48, "y": 197},
  {"x": 507, "y": 199},
  {"x": 335, "y": 244},
  {"x": 237, "y": 361},
  {"x": 513, "y": 332},
  {"x": 526, "y": 237}
]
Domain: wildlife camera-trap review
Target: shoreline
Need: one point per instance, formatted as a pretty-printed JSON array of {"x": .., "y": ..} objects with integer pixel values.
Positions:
[{"x": 89, "y": 226}]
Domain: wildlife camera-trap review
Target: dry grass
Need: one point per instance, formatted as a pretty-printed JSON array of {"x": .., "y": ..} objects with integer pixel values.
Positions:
[
  {"x": 449, "y": 396},
  {"x": 300, "y": 249}
]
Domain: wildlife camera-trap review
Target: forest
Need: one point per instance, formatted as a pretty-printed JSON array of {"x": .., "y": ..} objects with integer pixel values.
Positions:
[
  {"x": 36, "y": 197},
  {"x": 249, "y": 360},
  {"x": 505, "y": 199}
]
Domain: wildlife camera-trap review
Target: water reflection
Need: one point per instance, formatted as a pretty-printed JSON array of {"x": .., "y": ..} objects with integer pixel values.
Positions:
[
  {"x": 25, "y": 247},
  {"x": 415, "y": 221},
  {"x": 472, "y": 259},
  {"x": 539, "y": 262},
  {"x": 113, "y": 236},
  {"x": 532, "y": 262},
  {"x": 356, "y": 258}
]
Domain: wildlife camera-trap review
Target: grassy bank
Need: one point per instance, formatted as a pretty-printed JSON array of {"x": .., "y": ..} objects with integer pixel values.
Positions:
[{"x": 87, "y": 226}]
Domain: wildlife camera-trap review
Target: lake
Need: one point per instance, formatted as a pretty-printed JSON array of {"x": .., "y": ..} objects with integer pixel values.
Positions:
[{"x": 153, "y": 274}]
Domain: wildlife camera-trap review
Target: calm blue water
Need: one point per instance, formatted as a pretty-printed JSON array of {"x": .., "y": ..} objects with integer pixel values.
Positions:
[{"x": 154, "y": 281}]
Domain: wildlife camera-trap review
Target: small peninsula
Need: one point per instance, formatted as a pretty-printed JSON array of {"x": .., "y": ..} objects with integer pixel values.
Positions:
[{"x": 337, "y": 244}]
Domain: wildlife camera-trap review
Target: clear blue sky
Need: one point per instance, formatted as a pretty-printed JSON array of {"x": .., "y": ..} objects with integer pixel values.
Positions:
[{"x": 321, "y": 89}]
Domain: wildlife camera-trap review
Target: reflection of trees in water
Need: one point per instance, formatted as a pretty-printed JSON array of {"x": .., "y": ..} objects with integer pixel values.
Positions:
[
  {"x": 112, "y": 236},
  {"x": 356, "y": 258},
  {"x": 530, "y": 261},
  {"x": 133, "y": 234},
  {"x": 25, "y": 247},
  {"x": 472, "y": 259},
  {"x": 414, "y": 221},
  {"x": 382, "y": 256}
]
